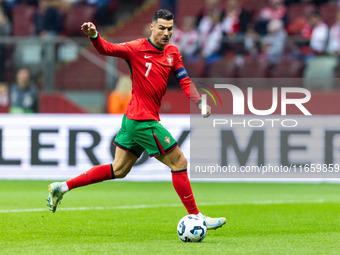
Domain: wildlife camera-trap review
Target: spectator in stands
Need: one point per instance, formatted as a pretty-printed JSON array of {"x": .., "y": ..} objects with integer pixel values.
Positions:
[
  {"x": 316, "y": 31},
  {"x": 211, "y": 42},
  {"x": 212, "y": 39},
  {"x": 274, "y": 42},
  {"x": 101, "y": 7},
  {"x": 24, "y": 95},
  {"x": 289, "y": 2},
  {"x": 5, "y": 30},
  {"x": 71, "y": 2},
  {"x": 4, "y": 97},
  {"x": 5, "y": 18},
  {"x": 315, "y": 2},
  {"x": 64, "y": 6},
  {"x": 275, "y": 10},
  {"x": 252, "y": 42},
  {"x": 204, "y": 21},
  {"x": 121, "y": 96},
  {"x": 186, "y": 38},
  {"x": 176, "y": 36},
  {"x": 32, "y": 2},
  {"x": 47, "y": 20},
  {"x": 235, "y": 19},
  {"x": 147, "y": 31},
  {"x": 11, "y": 3},
  {"x": 170, "y": 5},
  {"x": 234, "y": 24},
  {"x": 334, "y": 37}
]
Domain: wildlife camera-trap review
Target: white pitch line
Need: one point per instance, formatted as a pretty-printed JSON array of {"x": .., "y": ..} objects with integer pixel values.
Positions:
[{"x": 130, "y": 207}]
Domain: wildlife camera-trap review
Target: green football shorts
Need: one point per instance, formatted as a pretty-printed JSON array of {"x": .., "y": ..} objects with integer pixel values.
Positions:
[{"x": 135, "y": 136}]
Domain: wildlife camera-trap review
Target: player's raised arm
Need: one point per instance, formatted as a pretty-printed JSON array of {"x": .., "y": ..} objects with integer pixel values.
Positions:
[
  {"x": 188, "y": 86},
  {"x": 121, "y": 50},
  {"x": 89, "y": 29},
  {"x": 194, "y": 95}
]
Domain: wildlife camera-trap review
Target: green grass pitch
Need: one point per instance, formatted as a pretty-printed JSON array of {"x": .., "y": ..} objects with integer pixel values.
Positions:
[{"x": 141, "y": 218}]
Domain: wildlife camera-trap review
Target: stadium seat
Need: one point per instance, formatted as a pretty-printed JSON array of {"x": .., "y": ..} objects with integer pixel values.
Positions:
[
  {"x": 58, "y": 103},
  {"x": 296, "y": 26},
  {"x": 253, "y": 6},
  {"x": 225, "y": 68},
  {"x": 80, "y": 75},
  {"x": 76, "y": 17},
  {"x": 320, "y": 72},
  {"x": 288, "y": 69},
  {"x": 299, "y": 11},
  {"x": 252, "y": 74},
  {"x": 328, "y": 13},
  {"x": 133, "y": 27},
  {"x": 254, "y": 68},
  {"x": 23, "y": 20},
  {"x": 337, "y": 80},
  {"x": 186, "y": 9},
  {"x": 195, "y": 69}
]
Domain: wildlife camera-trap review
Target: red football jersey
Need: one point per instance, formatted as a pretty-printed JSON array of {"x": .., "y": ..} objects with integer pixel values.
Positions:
[{"x": 150, "y": 67}]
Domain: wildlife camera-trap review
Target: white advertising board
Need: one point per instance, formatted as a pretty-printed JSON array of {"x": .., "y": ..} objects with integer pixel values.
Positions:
[{"x": 61, "y": 146}]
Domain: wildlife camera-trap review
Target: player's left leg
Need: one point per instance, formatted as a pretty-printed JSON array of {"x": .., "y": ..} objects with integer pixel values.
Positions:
[
  {"x": 117, "y": 170},
  {"x": 127, "y": 153},
  {"x": 178, "y": 165}
]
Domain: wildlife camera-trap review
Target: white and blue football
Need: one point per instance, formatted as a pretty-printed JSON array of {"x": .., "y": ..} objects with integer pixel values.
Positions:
[{"x": 191, "y": 228}]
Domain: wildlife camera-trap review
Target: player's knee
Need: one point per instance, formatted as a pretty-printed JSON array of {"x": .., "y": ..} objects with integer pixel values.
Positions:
[
  {"x": 182, "y": 163},
  {"x": 120, "y": 172}
]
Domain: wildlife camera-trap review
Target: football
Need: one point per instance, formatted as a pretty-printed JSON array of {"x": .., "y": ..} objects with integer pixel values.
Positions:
[{"x": 191, "y": 228}]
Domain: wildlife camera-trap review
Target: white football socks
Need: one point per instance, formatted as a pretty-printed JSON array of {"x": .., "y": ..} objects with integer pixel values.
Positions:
[
  {"x": 64, "y": 187},
  {"x": 199, "y": 215}
]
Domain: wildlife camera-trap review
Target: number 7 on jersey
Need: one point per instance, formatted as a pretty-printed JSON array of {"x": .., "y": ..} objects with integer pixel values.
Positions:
[{"x": 148, "y": 65}]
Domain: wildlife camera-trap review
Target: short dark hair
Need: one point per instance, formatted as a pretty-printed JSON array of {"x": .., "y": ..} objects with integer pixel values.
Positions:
[{"x": 162, "y": 14}]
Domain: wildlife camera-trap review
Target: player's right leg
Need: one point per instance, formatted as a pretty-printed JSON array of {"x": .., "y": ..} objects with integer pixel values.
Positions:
[
  {"x": 178, "y": 165},
  {"x": 118, "y": 169}
]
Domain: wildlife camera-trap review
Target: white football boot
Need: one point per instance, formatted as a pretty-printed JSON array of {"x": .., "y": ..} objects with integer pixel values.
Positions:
[
  {"x": 213, "y": 223},
  {"x": 55, "y": 196}
]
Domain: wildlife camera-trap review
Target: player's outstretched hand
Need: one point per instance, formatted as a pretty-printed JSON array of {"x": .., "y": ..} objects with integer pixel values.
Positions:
[
  {"x": 89, "y": 29},
  {"x": 208, "y": 110}
]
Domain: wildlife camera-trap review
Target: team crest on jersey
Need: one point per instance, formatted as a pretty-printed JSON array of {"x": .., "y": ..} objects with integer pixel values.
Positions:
[
  {"x": 170, "y": 60},
  {"x": 167, "y": 140}
]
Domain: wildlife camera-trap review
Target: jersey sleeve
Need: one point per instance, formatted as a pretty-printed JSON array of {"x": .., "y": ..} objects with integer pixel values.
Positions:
[
  {"x": 187, "y": 85},
  {"x": 121, "y": 50}
]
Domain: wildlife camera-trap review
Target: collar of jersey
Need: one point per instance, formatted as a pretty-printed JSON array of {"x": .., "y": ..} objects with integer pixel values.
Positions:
[{"x": 154, "y": 45}]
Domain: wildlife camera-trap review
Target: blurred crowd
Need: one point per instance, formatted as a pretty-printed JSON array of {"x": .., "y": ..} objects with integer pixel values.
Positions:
[
  {"x": 45, "y": 19},
  {"x": 291, "y": 29},
  {"x": 228, "y": 38},
  {"x": 22, "y": 96},
  {"x": 49, "y": 16}
]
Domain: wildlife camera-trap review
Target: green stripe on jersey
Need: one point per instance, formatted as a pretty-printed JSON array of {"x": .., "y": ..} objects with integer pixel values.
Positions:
[
  {"x": 130, "y": 68},
  {"x": 154, "y": 45}
]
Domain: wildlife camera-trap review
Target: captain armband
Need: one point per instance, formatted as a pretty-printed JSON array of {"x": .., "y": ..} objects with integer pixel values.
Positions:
[{"x": 181, "y": 73}]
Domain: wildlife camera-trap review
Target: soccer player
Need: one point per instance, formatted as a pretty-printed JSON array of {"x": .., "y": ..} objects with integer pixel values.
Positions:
[{"x": 150, "y": 62}]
